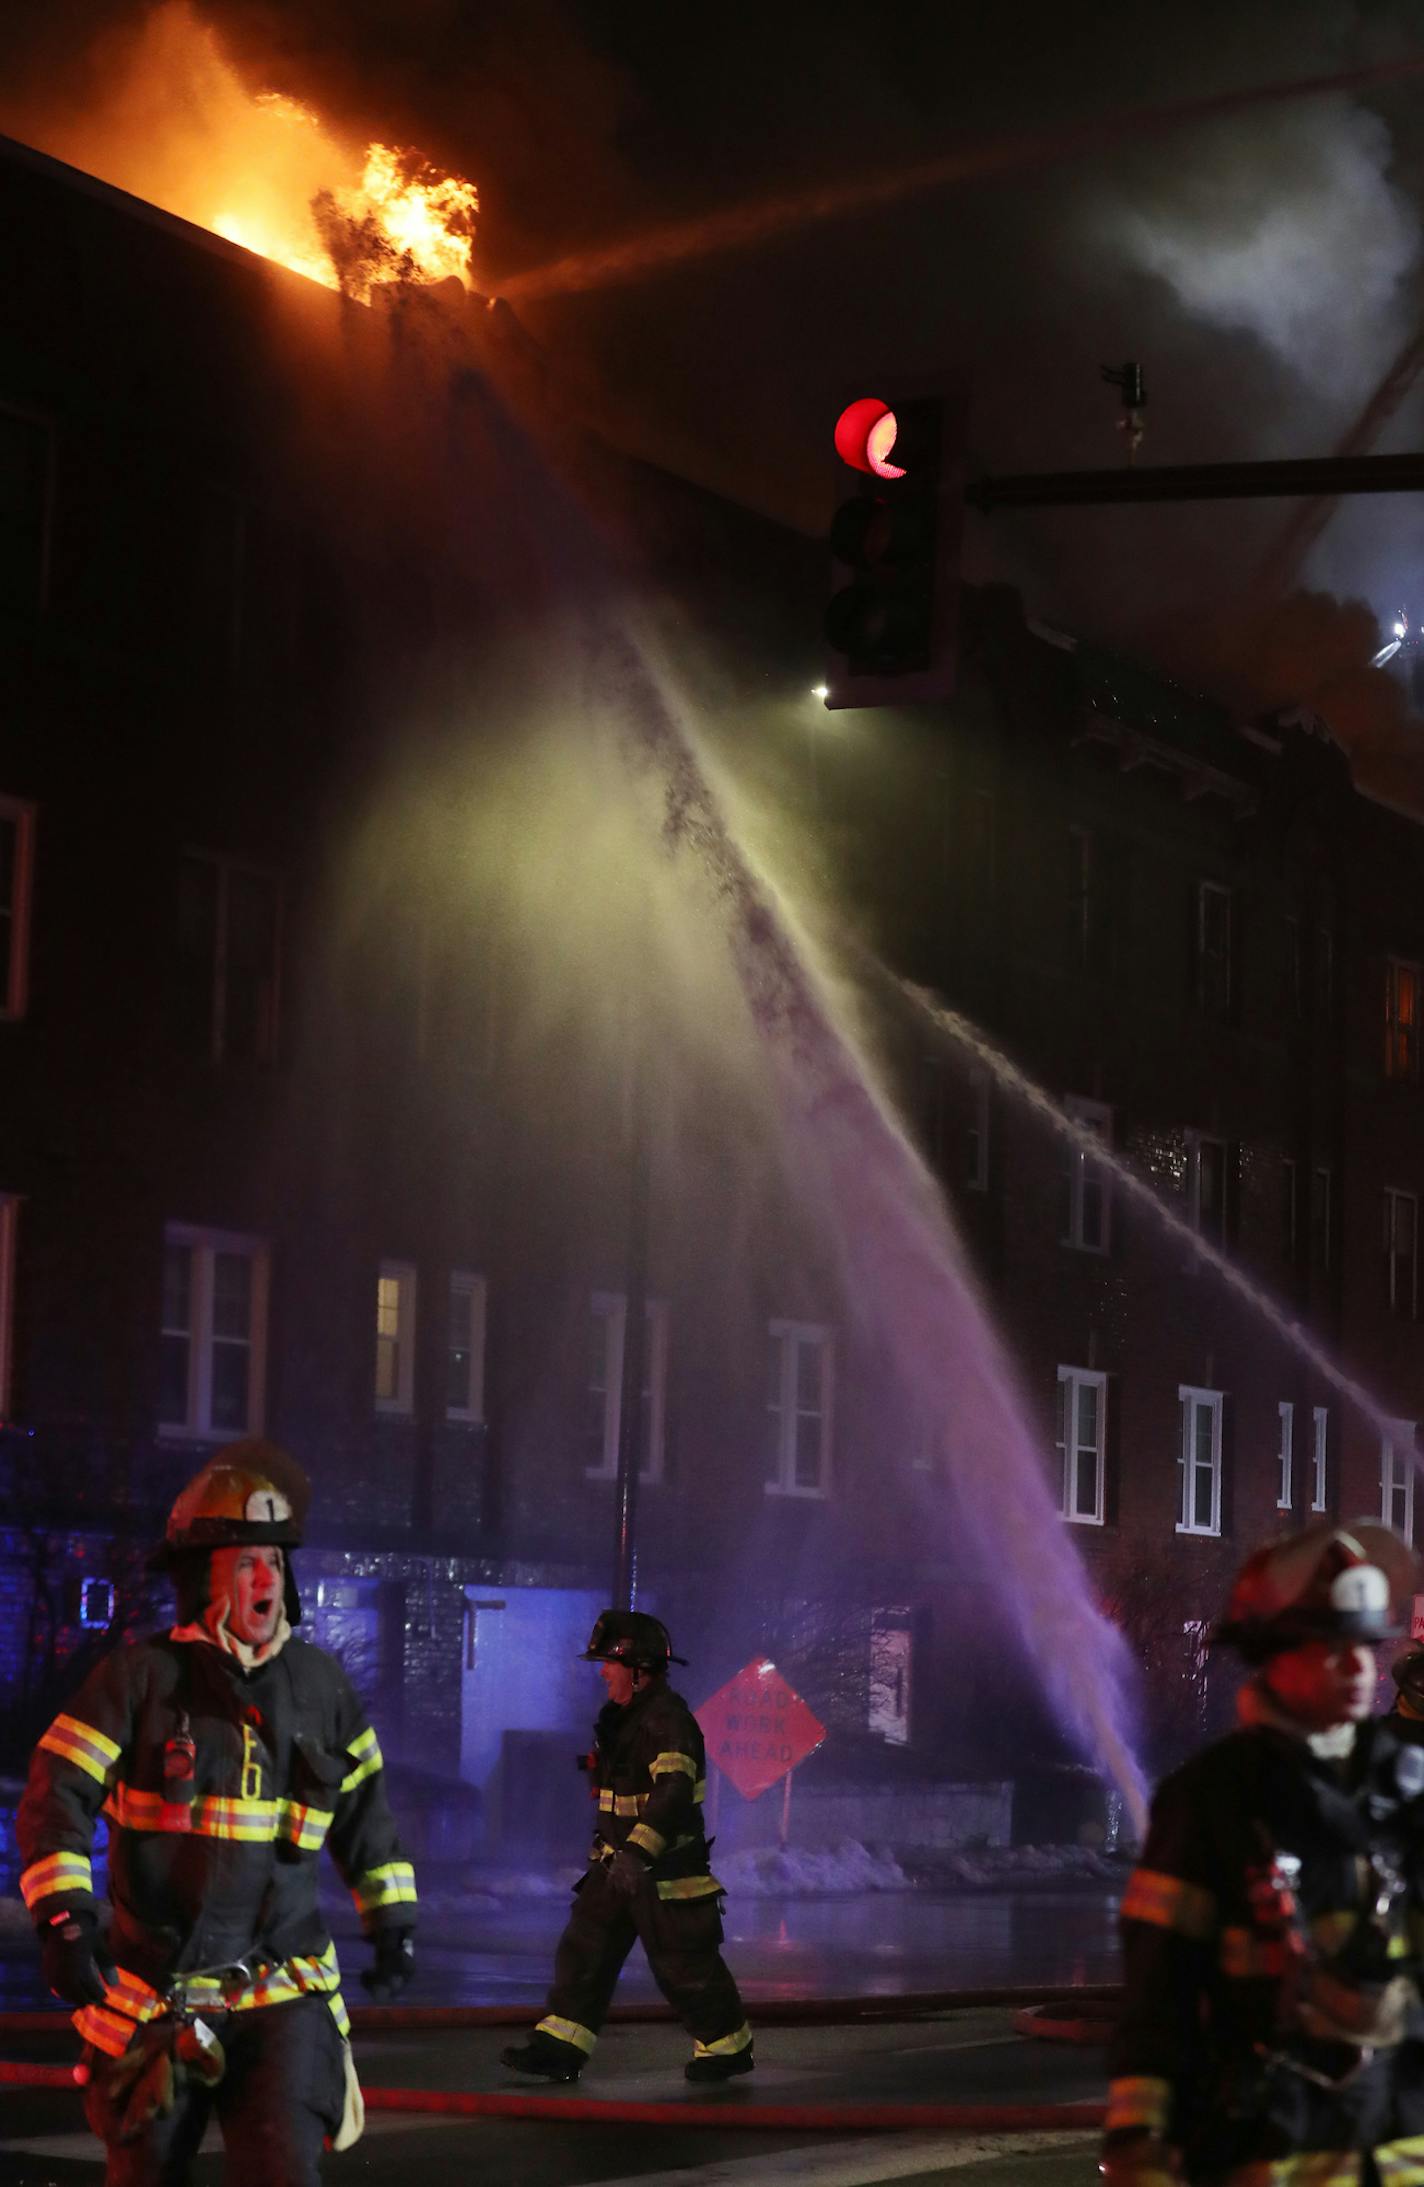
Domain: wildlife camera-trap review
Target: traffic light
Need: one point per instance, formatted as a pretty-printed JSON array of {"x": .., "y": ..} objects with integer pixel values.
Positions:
[{"x": 895, "y": 544}]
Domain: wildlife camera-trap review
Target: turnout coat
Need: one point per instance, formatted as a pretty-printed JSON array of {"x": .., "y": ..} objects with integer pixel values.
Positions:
[
  {"x": 649, "y": 1765},
  {"x": 1272, "y": 1935},
  {"x": 220, "y": 1785}
]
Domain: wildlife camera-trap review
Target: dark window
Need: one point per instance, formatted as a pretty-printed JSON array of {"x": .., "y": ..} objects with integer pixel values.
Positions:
[
  {"x": 1322, "y": 1220},
  {"x": 1401, "y": 1253},
  {"x": 1215, "y": 946},
  {"x": 1290, "y": 1210},
  {"x": 24, "y": 502},
  {"x": 228, "y": 944},
  {"x": 1401, "y": 1019}
]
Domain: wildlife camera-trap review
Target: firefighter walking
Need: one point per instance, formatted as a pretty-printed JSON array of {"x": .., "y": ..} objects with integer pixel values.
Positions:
[
  {"x": 1272, "y": 2033},
  {"x": 224, "y": 1754},
  {"x": 648, "y": 1876}
]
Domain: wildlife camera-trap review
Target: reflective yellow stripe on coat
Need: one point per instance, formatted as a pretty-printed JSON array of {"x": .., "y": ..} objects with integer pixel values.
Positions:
[
  {"x": 90, "y": 1750},
  {"x": 57, "y": 1873}
]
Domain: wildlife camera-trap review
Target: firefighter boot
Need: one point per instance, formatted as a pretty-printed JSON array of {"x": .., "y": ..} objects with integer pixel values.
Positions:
[
  {"x": 721, "y": 2065},
  {"x": 545, "y": 2056}
]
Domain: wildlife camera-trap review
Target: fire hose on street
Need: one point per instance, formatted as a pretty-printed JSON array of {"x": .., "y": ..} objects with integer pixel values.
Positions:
[{"x": 1060, "y": 2014}]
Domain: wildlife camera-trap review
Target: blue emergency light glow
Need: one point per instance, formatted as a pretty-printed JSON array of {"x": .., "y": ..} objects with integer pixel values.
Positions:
[{"x": 96, "y": 1603}]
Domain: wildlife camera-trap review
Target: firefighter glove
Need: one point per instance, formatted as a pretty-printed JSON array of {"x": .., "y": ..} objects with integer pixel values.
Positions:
[
  {"x": 627, "y": 1872},
  {"x": 393, "y": 1966},
  {"x": 76, "y": 1966},
  {"x": 1139, "y": 2160}
]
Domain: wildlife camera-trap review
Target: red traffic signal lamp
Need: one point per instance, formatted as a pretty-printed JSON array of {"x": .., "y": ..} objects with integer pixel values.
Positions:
[{"x": 895, "y": 544}]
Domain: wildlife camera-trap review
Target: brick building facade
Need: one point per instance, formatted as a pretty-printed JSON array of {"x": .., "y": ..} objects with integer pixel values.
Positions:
[{"x": 258, "y": 1175}]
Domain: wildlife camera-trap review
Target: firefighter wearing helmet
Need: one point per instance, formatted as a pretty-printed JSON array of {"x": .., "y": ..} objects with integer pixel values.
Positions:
[
  {"x": 1271, "y": 2027},
  {"x": 224, "y": 1754},
  {"x": 1407, "y": 1671},
  {"x": 648, "y": 1876}
]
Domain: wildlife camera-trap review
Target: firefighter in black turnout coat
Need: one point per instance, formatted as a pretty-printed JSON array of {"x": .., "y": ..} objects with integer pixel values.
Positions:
[
  {"x": 648, "y": 1874},
  {"x": 1272, "y": 2033},
  {"x": 224, "y": 1754}
]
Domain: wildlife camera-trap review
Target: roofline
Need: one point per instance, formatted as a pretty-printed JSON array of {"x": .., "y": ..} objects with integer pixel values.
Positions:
[{"x": 139, "y": 208}]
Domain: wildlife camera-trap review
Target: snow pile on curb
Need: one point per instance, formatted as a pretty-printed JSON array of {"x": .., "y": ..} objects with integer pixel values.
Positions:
[
  {"x": 800, "y": 1873},
  {"x": 1008, "y": 1867}
]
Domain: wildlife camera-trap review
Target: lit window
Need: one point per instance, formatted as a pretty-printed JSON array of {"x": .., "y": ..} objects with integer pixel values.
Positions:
[
  {"x": 1082, "y": 1445},
  {"x": 213, "y": 1341},
  {"x": 1319, "y": 1456},
  {"x": 604, "y": 1390},
  {"x": 229, "y": 930},
  {"x": 1397, "y": 1478},
  {"x": 1401, "y": 1253},
  {"x": 1285, "y": 1467},
  {"x": 1088, "y": 1198},
  {"x": 395, "y": 1337},
  {"x": 1199, "y": 1459},
  {"x": 1207, "y": 1179},
  {"x": 17, "y": 840},
  {"x": 465, "y": 1353},
  {"x": 1215, "y": 920},
  {"x": 1401, "y": 1019},
  {"x": 26, "y": 473},
  {"x": 800, "y": 1361}
]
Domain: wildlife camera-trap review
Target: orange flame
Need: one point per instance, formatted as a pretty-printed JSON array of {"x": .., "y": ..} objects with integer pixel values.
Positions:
[{"x": 177, "y": 126}]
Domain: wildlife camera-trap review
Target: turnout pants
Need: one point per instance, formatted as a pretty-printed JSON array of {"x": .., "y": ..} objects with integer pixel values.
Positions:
[
  {"x": 280, "y": 2097},
  {"x": 683, "y": 1941}
]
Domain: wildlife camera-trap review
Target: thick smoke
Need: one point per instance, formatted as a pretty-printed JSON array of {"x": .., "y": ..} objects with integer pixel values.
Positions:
[
  {"x": 1275, "y": 219},
  {"x": 1261, "y": 268}
]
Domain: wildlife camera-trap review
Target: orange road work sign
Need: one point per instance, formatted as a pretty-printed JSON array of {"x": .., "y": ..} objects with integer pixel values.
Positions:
[{"x": 757, "y": 1727}]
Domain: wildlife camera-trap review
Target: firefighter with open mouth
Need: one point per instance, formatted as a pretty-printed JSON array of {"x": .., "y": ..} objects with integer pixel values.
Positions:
[
  {"x": 224, "y": 1754},
  {"x": 648, "y": 1876},
  {"x": 1272, "y": 2033}
]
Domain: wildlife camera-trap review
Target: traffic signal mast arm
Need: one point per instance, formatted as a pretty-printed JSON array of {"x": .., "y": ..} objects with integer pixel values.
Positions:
[{"x": 1396, "y": 474}]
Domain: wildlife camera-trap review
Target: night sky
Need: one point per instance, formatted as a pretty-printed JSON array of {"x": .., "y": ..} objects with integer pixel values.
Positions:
[{"x": 1263, "y": 264}]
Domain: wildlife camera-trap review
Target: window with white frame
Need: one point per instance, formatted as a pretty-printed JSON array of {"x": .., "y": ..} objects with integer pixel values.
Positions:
[
  {"x": 17, "y": 845},
  {"x": 213, "y": 1340},
  {"x": 607, "y": 1328},
  {"x": 1285, "y": 1457},
  {"x": 799, "y": 1402},
  {"x": 976, "y": 1144},
  {"x": 395, "y": 1337},
  {"x": 1199, "y": 1458},
  {"x": 1397, "y": 1477},
  {"x": 1401, "y": 1018},
  {"x": 1401, "y": 1252},
  {"x": 1215, "y": 944},
  {"x": 1207, "y": 1180},
  {"x": 1082, "y": 1445},
  {"x": 465, "y": 1349},
  {"x": 1088, "y": 1200},
  {"x": 1319, "y": 1458},
  {"x": 229, "y": 940}
]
